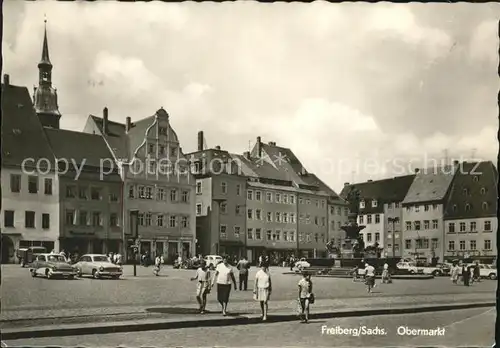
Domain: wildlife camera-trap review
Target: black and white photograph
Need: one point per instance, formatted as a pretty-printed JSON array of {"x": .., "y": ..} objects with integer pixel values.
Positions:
[{"x": 249, "y": 174}]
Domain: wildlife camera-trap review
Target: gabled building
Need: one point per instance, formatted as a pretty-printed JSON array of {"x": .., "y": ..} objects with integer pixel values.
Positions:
[
  {"x": 30, "y": 190},
  {"x": 380, "y": 211},
  {"x": 157, "y": 185},
  {"x": 471, "y": 213},
  {"x": 423, "y": 212}
]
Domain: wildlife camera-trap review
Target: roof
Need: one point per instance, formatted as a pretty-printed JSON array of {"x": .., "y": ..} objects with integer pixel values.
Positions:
[
  {"x": 286, "y": 188},
  {"x": 253, "y": 167},
  {"x": 430, "y": 185},
  {"x": 383, "y": 191},
  {"x": 116, "y": 136},
  {"x": 82, "y": 148},
  {"x": 466, "y": 189},
  {"x": 22, "y": 132}
]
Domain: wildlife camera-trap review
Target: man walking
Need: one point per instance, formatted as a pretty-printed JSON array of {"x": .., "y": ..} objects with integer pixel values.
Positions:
[{"x": 243, "y": 266}]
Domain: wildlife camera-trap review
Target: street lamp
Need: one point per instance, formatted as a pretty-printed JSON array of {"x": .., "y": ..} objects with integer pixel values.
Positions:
[
  {"x": 134, "y": 221},
  {"x": 219, "y": 201},
  {"x": 393, "y": 221}
]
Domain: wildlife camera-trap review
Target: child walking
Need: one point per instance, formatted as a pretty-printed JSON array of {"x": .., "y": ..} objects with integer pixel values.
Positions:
[
  {"x": 203, "y": 286},
  {"x": 305, "y": 296}
]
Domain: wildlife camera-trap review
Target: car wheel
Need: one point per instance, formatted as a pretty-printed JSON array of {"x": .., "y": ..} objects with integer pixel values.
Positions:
[
  {"x": 435, "y": 273},
  {"x": 47, "y": 273},
  {"x": 71, "y": 277},
  {"x": 493, "y": 276},
  {"x": 33, "y": 273},
  {"x": 115, "y": 277},
  {"x": 95, "y": 274},
  {"x": 79, "y": 273},
  {"x": 412, "y": 272}
]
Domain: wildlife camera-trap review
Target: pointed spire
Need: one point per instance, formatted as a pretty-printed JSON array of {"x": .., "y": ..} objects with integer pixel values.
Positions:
[{"x": 45, "y": 49}]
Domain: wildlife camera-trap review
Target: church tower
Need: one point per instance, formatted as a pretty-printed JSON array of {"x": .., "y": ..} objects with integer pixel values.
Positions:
[{"x": 45, "y": 96}]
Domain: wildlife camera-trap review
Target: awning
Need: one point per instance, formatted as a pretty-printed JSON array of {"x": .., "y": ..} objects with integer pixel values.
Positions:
[{"x": 231, "y": 243}]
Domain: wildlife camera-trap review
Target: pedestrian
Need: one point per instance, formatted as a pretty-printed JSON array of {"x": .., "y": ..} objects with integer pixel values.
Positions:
[
  {"x": 203, "y": 286},
  {"x": 471, "y": 274},
  {"x": 455, "y": 271},
  {"x": 292, "y": 262},
  {"x": 156, "y": 269},
  {"x": 243, "y": 266},
  {"x": 355, "y": 273},
  {"x": 115, "y": 258},
  {"x": 477, "y": 272},
  {"x": 224, "y": 276},
  {"x": 119, "y": 259},
  {"x": 465, "y": 275},
  {"x": 369, "y": 277},
  {"x": 385, "y": 273},
  {"x": 306, "y": 296},
  {"x": 162, "y": 259},
  {"x": 261, "y": 259},
  {"x": 262, "y": 289}
]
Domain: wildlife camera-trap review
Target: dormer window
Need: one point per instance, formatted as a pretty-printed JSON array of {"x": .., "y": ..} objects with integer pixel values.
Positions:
[
  {"x": 151, "y": 148},
  {"x": 483, "y": 190},
  {"x": 467, "y": 207},
  {"x": 476, "y": 178},
  {"x": 162, "y": 130},
  {"x": 466, "y": 192},
  {"x": 485, "y": 206},
  {"x": 455, "y": 207},
  {"x": 374, "y": 203},
  {"x": 362, "y": 204}
]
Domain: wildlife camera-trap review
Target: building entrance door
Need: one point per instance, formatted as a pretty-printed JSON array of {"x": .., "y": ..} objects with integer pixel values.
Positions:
[{"x": 172, "y": 251}]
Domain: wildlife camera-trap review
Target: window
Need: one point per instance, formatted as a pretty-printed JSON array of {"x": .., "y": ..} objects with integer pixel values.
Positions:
[
  {"x": 15, "y": 183},
  {"x": 417, "y": 225},
  {"x": 377, "y": 237},
  {"x": 301, "y": 236},
  {"x": 435, "y": 206},
  {"x": 142, "y": 192},
  {"x": 285, "y": 218},
  {"x": 162, "y": 130},
  {"x": 377, "y": 218},
  {"x": 292, "y": 218},
  {"x": 173, "y": 221},
  {"x": 292, "y": 199},
  {"x": 361, "y": 219},
  {"x": 223, "y": 229},
  {"x": 269, "y": 234},
  {"x": 455, "y": 208},
  {"x": 292, "y": 236},
  {"x": 96, "y": 219},
  {"x": 250, "y": 195},
  {"x": 408, "y": 208},
  {"x": 466, "y": 192},
  {"x": 374, "y": 203},
  {"x": 346, "y": 211},
  {"x": 161, "y": 149},
  {"x": 82, "y": 218},
  {"x": 258, "y": 214},
  {"x": 418, "y": 243},
  {"x": 29, "y": 219},
  {"x": 339, "y": 224},
  {"x": 278, "y": 198},
  {"x": 70, "y": 217},
  {"x": 323, "y": 221},
  {"x": 238, "y": 191},
  {"x": 483, "y": 190},
  {"x": 435, "y": 244},
  {"x": 426, "y": 207},
  {"x": 173, "y": 195},
  {"x": 198, "y": 187},
  {"x": 258, "y": 233},
  {"x": 223, "y": 187},
  {"x": 487, "y": 225},
  {"x": 473, "y": 226},
  {"x": 45, "y": 221},
  {"x": 472, "y": 245},
  {"x": 425, "y": 243},
  {"x": 487, "y": 244},
  {"x": 250, "y": 213},
  {"x": 95, "y": 193},
  {"x": 427, "y": 224},
  {"x": 407, "y": 243},
  {"x": 277, "y": 235},
  {"x": 140, "y": 219},
  {"x": 467, "y": 207},
  {"x": 269, "y": 197},
  {"x": 301, "y": 200},
  {"x": 237, "y": 230},
  {"x": 184, "y": 222},
  {"x": 160, "y": 194},
  {"x": 285, "y": 236},
  {"x": 323, "y": 203},
  {"x": 173, "y": 151},
  {"x": 149, "y": 192},
  {"x": 316, "y": 237},
  {"x": 198, "y": 209},
  {"x": 113, "y": 220},
  {"x": 185, "y": 197},
  {"x": 462, "y": 227},
  {"x": 70, "y": 191},
  {"x": 435, "y": 224},
  {"x": 368, "y": 219},
  {"x": 258, "y": 195},
  {"x": 269, "y": 216},
  {"x": 462, "y": 245},
  {"x": 151, "y": 148},
  {"x": 48, "y": 186},
  {"x": 8, "y": 218},
  {"x": 485, "y": 206},
  {"x": 308, "y": 201},
  {"x": 308, "y": 237},
  {"x": 451, "y": 227},
  {"x": 32, "y": 184},
  {"x": 417, "y": 208},
  {"x": 316, "y": 202},
  {"x": 396, "y": 205},
  {"x": 278, "y": 217},
  {"x": 223, "y": 208},
  {"x": 408, "y": 225},
  {"x": 368, "y": 237},
  {"x": 238, "y": 210},
  {"x": 113, "y": 197},
  {"x": 249, "y": 233},
  {"x": 451, "y": 245}
]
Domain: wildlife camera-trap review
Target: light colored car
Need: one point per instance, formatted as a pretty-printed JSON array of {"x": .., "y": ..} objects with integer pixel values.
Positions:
[
  {"x": 212, "y": 260},
  {"x": 485, "y": 271},
  {"x": 302, "y": 264},
  {"x": 98, "y": 266},
  {"x": 411, "y": 267},
  {"x": 52, "y": 266}
]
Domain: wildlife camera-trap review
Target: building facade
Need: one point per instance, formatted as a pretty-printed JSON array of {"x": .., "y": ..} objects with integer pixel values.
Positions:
[
  {"x": 471, "y": 213},
  {"x": 338, "y": 216},
  {"x": 313, "y": 224}
]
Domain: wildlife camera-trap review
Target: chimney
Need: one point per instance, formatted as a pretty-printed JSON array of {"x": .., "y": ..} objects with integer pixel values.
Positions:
[
  {"x": 247, "y": 154},
  {"x": 6, "y": 79},
  {"x": 105, "y": 121},
  {"x": 370, "y": 180},
  {"x": 217, "y": 147},
  {"x": 259, "y": 147},
  {"x": 200, "y": 141},
  {"x": 271, "y": 143},
  {"x": 128, "y": 124},
  {"x": 417, "y": 170},
  {"x": 346, "y": 184}
]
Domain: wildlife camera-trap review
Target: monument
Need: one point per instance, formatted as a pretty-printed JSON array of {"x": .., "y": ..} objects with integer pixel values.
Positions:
[{"x": 353, "y": 245}]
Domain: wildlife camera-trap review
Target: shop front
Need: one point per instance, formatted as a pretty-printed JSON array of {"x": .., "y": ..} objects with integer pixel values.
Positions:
[{"x": 234, "y": 249}]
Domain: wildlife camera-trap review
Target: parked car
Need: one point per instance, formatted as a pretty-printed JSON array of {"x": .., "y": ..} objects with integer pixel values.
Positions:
[
  {"x": 28, "y": 255},
  {"x": 411, "y": 267},
  {"x": 485, "y": 271},
  {"x": 52, "y": 266},
  {"x": 212, "y": 260},
  {"x": 302, "y": 264},
  {"x": 98, "y": 266}
]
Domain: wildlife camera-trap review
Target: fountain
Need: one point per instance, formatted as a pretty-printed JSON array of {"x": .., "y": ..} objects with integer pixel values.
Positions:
[{"x": 353, "y": 245}]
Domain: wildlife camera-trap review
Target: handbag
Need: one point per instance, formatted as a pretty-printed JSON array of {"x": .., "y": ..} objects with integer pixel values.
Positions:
[{"x": 311, "y": 298}]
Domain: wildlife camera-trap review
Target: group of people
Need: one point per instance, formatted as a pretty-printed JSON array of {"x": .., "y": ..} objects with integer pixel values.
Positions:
[
  {"x": 116, "y": 258},
  {"x": 368, "y": 275},
  {"x": 223, "y": 276},
  {"x": 469, "y": 274}
]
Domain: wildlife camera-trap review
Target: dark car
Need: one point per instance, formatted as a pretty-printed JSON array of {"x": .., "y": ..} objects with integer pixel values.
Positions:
[{"x": 28, "y": 255}]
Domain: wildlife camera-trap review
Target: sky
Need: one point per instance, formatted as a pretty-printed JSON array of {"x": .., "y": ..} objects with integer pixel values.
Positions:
[{"x": 358, "y": 91}]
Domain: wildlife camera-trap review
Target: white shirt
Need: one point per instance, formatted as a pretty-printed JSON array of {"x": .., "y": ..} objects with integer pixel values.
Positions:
[
  {"x": 201, "y": 275},
  {"x": 262, "y": 279},
  {"x": 386, "y": 266},
  {"x": 370, "y": 271},
  {"x": 224, "y": 272}
]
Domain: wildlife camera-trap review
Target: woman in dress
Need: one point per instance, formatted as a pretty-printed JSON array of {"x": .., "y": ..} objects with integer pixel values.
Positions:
[
  {"x": 262, "y": 289},
  {"x": 305, "y": 293},
  {"x": 455, "y": 270}
]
